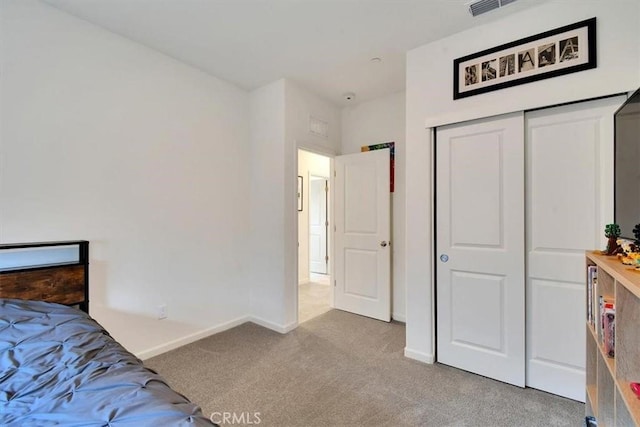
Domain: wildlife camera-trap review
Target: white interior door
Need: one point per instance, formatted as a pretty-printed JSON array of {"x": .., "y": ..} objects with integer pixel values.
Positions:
[
  {"x": 362, "y": 231},
  {"x": 318, "y": 222},
  {"x": 480, "y": 244},
  {"x": 569, "y": 202}
]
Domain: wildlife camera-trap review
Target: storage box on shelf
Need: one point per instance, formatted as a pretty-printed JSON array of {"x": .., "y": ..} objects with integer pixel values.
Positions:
[{"x": 609, "y": 396}]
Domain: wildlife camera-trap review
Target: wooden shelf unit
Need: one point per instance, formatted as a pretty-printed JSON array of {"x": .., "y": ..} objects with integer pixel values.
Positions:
[{"x": 609, "y": 397}]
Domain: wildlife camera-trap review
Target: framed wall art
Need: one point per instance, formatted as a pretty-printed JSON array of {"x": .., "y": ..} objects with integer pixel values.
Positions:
[{"x": 553, "y": 53}]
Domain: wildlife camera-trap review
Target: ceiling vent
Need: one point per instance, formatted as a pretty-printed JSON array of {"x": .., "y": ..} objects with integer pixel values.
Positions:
[{"x": 481, "y": 6}]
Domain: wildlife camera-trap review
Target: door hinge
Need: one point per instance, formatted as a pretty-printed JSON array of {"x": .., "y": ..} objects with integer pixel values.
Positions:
[
  {"x": 334, "y": 284},
  {"x": 326, "y": 258},
  {"x": 334, "y": 229},
  {"x": 334, "y": 173},
  {"x": 326, "y": 223}
]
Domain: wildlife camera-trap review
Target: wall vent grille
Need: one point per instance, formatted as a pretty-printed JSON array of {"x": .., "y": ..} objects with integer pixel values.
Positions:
[
  {"x": 318, "y": 127},
  {"x": 482, "y": 6}
]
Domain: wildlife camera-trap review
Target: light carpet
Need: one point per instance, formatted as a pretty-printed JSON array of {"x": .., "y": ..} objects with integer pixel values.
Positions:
[
  {"x": 340, "y": 369},
  {"x": 313, "y": 300}
]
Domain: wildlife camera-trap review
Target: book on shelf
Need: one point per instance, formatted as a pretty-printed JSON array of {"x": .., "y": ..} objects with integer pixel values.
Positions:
[
  {"x": 592, "y": 279},
  {"x": 609, "y": 330},
  {"x": 598, "y": 317},
  {"x": 605, "y": 324},
  {"x": 604, "y": 302}
]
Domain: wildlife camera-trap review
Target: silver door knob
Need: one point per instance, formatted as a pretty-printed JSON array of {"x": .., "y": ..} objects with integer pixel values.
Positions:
[
  {"x": 383, "y": 244},
  {"x": 444, "y": 257}
]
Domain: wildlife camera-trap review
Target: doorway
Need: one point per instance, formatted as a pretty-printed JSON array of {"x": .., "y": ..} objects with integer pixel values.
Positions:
[
  {"x": 318, "y": 226},
  {"x": 358, "y": 262},
  {"x": 314, "y": 263}
]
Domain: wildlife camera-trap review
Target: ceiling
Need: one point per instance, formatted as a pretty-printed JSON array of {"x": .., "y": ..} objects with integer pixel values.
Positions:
[{"x": 324, "y": 45}]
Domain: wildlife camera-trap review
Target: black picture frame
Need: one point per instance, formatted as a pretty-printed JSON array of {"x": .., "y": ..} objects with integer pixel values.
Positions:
[
  {"x": 557, "y": 52},
  {"x": 300, "y": 193}
]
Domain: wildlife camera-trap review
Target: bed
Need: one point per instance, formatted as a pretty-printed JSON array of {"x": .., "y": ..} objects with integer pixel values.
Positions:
[{"x": 60, "y": 367}]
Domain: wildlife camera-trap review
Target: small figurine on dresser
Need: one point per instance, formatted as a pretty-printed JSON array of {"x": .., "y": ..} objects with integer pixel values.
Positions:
[
  {"x": 612, "y": 232},
  {"x": 631, "y": 255},
  {"x": 635, "y": 246}
]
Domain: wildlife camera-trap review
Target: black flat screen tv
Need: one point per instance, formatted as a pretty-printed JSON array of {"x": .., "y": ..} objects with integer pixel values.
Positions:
[{"x": 627, "y": 165}]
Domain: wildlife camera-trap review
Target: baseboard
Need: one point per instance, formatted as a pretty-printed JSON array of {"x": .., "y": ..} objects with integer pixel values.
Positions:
[
  {"x": 171, "y": 345},
  {"x": 283, "y": 329},
  {"x": 399, "y": 317},
  {"x": 419, "y": 356}
]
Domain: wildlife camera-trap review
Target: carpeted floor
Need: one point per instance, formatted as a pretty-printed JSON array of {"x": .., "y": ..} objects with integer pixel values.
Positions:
[
  {"x": 313, "y": 300},
  {"x": 340, "y": 369}
]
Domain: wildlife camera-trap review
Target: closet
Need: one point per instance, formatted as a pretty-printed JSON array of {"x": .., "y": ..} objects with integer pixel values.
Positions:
[{"x": 518, "y": 199}]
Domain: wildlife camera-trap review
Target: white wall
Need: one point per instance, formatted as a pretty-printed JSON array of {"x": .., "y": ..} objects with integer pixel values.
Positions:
[
  {"x": 301, "y": 105},
  {"x": 279, "y": 126},
  {"x": 106, "y": 140},
  {"x": 373, "y": 122},
  {"x": 268, "y": 204},
  {"x": 308, "y": 164},
  {"x": 430, "y": 103}
]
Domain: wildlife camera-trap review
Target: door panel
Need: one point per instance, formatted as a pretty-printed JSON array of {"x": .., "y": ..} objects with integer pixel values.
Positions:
[
  {"x": 548, "y": 296},
  {"x": 475, "y": 187},
  {"x": 360, "y": 196},
  {"x": 471, "y": 325},
  {"x": 480, "y": 241},
  {"x": 360, "y": 277},
  {"x": 570, "y": 200},
  {"x": 318, "y": 225},
  {"x": 362, "y": 223}
]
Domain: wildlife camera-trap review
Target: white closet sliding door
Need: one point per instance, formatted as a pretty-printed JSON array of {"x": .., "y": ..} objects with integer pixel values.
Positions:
[
  {"x": 569, "y": 201},
  {"x": 486, "y": 265},
  {"x": 480, "y": 243}
]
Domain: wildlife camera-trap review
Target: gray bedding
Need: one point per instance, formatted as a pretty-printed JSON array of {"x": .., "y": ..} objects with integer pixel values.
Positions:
[{"x": 58, "y": 367}]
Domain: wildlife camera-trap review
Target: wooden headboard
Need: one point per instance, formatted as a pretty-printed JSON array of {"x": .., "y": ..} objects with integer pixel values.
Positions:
[{"x": 64, "y": 283}]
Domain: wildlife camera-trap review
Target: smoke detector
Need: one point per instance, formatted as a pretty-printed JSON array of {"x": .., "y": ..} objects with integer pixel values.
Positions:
[
  {"x": 482, "y": 6},
  {"x": 349, "y": 96}
]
